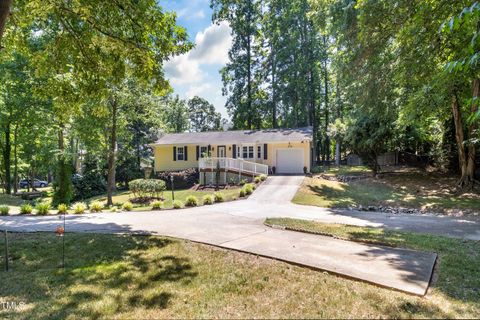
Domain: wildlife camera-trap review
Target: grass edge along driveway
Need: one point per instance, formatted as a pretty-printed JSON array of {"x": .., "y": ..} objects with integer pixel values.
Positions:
[{"x": 457, "y": 273}]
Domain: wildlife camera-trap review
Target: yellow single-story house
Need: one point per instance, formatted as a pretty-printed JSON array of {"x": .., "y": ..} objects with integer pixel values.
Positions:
[{"x": 282, "y": 150}]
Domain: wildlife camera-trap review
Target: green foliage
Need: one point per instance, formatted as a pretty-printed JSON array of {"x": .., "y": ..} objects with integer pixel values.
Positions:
[
  {"x": 178, "y": 204},
  {"x": 79, "y": 207},
  {"x": 208, "y": 199},
  {"x": 248, "y": 188},
  {"x": 263, "y": 177},
  {"x": 147, "y": 188},
  {"x": 203, "y": 116},
  {"x": 96, "y": 206},
  {"x": 156, "y": 205},
  {"x": 26, "y": 209},
  {"x": 63, "y": 183},
  {"x": 127, "y": 206},
  {"x": 42, "y": 208},
  {"x": 242, "y": 193},
  {"x": 4, "y": 210},
  {"x": 191, "y": 201},
  {"x": 62, "y": 208},
  {"x": 257, "y": 179},
  {"x": 219, "y": 197},
  {"x": 92, "y": 182}
]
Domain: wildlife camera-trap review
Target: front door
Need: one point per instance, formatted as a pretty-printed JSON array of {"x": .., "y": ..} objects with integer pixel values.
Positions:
[{"x": 221, "y": 153}]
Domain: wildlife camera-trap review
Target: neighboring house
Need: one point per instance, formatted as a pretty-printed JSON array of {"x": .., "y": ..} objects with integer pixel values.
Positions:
[{"x": 288, "y": 150}]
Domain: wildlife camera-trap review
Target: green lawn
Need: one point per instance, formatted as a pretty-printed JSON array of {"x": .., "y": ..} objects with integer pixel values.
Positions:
[
  {"x": 127, "y": 276},
  {"x": 124, "y": 196},
  {"x": 410, "y": 189},
  {"x": 456, "y": 290}
]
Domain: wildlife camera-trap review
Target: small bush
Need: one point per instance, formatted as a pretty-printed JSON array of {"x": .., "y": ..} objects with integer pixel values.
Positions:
[
  {"x": 147, "y": 188},
  {"x": 156, "y": 205},
  {"x": 243, "y": 182},
  {"x": 257, "y": 179},
  {"x": 96, "y": 206},
  {"x": 191, "y": 201},
  {"x": 42, "y": 208},
  {"x": 113, "y": 209},
  {"x": 177, "y": 204},
  {"x": 4, "y": 210},
  {"x": 127, "y": 206},
  {"x": 208, "y": 199},
  {"x": 263, "y": 177},
  {"x": 26, "y": 209},
  {"x": 242, "y": 193},
  {"x": 62, "y": 208},
  {"x": 248, "y": 188},
  {"x": 219, "y": 197},
  {"x": 316, "y": 169},
  {"x": 79, "y": 207}
]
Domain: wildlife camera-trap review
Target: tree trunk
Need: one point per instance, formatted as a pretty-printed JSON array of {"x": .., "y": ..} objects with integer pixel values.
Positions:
[
  {"x": 274, "y": 92},
  {"x": 6, "y": 160},
  {"x": 15, "y": 160},
  {"x": 459, "y": 137},
  {"x": 337, "y": 153},
  {"x": 468, "y": 179},
  {"x": 327, "y": 138},
  {"x": 111, "y": 154},
  {"x": 4, "y": 13}
]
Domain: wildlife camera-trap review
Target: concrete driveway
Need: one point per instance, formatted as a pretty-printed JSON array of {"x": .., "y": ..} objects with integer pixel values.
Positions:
[{"x": 239, "y": 225}]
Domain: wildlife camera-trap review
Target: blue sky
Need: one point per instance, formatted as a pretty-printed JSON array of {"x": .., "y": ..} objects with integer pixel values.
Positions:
[{"x": 197, "y": 72}]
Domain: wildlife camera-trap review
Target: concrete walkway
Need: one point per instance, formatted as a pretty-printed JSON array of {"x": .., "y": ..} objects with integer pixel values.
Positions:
[{"x": 239, "y": 225}]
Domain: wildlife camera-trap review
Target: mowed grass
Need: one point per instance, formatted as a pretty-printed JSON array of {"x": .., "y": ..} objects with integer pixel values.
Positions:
[
  {"x": 456, "y": 288},
  {"x": 409, "y": 189},
  {"x": 124, "y": 196},
  {"x": 127, "y": 276}
]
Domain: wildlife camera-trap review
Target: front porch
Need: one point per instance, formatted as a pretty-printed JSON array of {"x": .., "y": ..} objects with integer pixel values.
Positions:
[{"x": 225, "y": 170}]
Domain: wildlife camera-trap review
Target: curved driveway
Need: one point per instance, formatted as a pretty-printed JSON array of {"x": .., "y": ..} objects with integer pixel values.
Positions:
[{"x": 239, "y": 225}]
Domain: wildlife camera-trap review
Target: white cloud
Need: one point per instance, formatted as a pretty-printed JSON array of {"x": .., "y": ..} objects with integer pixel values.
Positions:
[
  {"x": 199, "y": 90},
  {"x": 211, "y": 48}
]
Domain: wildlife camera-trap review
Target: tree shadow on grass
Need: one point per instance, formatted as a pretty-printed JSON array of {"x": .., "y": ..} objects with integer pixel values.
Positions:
[{"x": 105, "y": 275}]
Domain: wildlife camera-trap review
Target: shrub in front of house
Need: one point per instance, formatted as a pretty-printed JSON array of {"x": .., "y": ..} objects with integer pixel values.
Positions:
[
  {"x": 42, "y": 208},
  {"x": 156, "y": 205},
  {"x": 147, "y": 188},
  {"x": 219, "y": 197},
  {"x": 183, "y": 179},
  {"x": 26, "y": 209},
  {"x": 113, "y": 209},
  {"x": 4, "y": 210},
  {"x": 257, "y": 179},
  {"x": 62, "y": 208},
  {"x": 208, "y": 199},
  {"x": 127, "y": 206},
  {"x": 96, "y": 206},
  {"x": 248, "y": 188},
  {"x": 263, "y": 177},
  {"x": 242, "y": 193},
  {"x": 177, "y": 204},
  {"x": 191, "y": 201},
  {"x": 243, "y": 182},
  {"x": 79, "y": 207}
]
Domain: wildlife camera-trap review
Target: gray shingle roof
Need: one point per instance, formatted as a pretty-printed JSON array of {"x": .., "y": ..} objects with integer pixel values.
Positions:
[{"x": 238, "y": 136}]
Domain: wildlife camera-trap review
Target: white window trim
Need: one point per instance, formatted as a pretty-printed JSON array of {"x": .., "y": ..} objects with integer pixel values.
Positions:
[
  {"x": 203, "y": 154},
  {"x": 259, "y": 146},
  {"x": 178, "y": 153},
  {"x": 247, "y": 145}
]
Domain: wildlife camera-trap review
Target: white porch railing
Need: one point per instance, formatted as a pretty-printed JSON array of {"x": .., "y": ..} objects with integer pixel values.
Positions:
[{"x": 240, "y": 165}]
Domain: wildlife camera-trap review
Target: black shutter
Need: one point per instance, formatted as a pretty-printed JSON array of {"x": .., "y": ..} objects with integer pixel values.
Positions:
[
  {"x": 209, "y": 149},
  {"x": 185, "y": 153},
  {"x": 265, "y": 151},
  {"x": 198, "y": 152},
  {"x": 174, "y": 153},
  {"x": 234, "y": 151}
]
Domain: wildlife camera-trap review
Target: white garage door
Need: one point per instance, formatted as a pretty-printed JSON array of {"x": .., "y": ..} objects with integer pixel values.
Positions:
[{"x": 290, "y": 161}]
